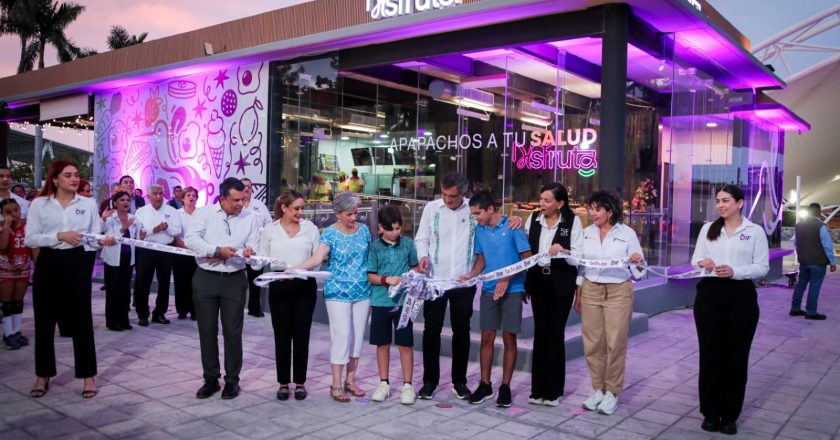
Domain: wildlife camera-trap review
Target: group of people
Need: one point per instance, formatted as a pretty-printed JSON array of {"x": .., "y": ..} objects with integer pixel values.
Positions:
[{"x": 457, "y": 239}]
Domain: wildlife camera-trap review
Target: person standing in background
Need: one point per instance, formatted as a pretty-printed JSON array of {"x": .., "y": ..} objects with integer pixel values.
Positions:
[
  {"x": 177, "y": 200},
  {"x": 118, "y": 262},
  {"x": 814, "y": 251},
  {"x": 6, "y": 193},
  {"x": 183, "y": 266},
  {"x": 260, "y": 212},
  {"x": 159, "y": 223}
]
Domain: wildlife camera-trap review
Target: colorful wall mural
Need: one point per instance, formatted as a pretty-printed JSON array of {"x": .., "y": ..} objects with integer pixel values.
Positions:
[{"x": 190, "y": 131}]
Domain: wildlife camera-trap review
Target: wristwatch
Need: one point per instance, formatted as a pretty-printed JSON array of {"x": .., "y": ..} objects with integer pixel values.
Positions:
[{"x": 218, "y": 253}]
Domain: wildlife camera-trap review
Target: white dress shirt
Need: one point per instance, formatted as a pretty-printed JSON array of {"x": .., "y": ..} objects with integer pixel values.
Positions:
[
  {"x": 111, "y": 226},
  {"x": 211, "y": 227},
  {"x": 186, "y": 221},
  {"x": 620, "y": 242},
  {"x": 23, "y": 203},
  {"x": 259, "y": 209},
  {"x": 276, "y": 243},
  {"x": 446, "y": 237},
  {"x": 745, "y": 251},
  {"x": 148, "y": 218},
  {"x": 47, "y": 218},
  {"x": 547, "y": 236}
]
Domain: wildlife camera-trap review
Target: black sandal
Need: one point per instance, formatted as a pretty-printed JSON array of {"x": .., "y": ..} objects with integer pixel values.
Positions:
[
  {"x": 300, "y": 392},
  {"x": 37, "y": 393},
  {"x": 283, "y": 392},
  {"x": 88, "y": 393}
]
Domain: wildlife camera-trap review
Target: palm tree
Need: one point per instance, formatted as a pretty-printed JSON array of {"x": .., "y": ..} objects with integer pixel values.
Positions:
[
  {"x": 16, "y": 19},
  {"x": 119, "y": 38},
  {"x": 50, "y": 20}
]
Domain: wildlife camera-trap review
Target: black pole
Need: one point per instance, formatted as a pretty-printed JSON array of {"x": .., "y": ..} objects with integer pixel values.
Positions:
[
  {"x": 4, "y": 142},
  {"x": 613, "y": 80}
]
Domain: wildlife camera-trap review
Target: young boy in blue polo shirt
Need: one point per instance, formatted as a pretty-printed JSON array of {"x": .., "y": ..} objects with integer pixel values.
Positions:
[
  {"x": 388, "y": 258},
  {"x": 497, "y": 246}
]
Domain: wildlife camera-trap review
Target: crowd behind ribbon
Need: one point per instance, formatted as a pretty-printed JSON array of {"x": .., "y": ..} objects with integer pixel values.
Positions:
[{"x": 457, "y": 239}]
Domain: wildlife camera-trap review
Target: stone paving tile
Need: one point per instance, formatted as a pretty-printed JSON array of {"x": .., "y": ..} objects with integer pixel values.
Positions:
[{"x": 148, "y": 392}]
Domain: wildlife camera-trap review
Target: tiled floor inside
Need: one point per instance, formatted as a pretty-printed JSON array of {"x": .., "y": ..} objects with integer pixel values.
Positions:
[{"x": 148, "y": 378}]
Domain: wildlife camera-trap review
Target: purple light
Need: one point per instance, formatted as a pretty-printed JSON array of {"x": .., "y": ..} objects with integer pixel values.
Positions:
[{"x": 773, "y": 114}]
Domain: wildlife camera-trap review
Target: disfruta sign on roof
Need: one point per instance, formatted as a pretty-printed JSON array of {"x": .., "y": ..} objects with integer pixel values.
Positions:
[{"x": 394, "y": 8}]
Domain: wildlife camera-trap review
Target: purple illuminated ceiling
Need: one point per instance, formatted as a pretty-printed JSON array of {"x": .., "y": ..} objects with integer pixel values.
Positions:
[{"x": 772, "y": 114}]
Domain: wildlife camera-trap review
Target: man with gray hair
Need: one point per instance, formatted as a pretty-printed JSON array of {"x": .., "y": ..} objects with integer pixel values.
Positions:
[
  {"x": 158, "y": 223},
  {"x": 444, "y": 241}
]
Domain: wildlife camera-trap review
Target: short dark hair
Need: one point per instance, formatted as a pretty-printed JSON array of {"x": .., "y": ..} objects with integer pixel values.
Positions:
[
  {"x": 176, "y": 187},
  {"x": 388, "y": 215},
  {"x": 229, "y": 184},
  {"x": 123, "y": 177},
  {"x": 815, "y": 209},
  {"x": 8, "y": 201},
  {"x": 483, "y": 200},
  {"x": 454, "y": 179},
  {"x": 120, "y": 194},
  {"x": 608, "y": 200}
]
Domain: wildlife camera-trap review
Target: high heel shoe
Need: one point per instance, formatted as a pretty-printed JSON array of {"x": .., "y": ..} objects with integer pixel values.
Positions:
[
  {"x": 37, "y": 393},
  {"x": 88, "y": 393}
]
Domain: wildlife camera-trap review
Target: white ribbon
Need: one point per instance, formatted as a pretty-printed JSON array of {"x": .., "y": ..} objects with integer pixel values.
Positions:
[
  {"x": 269, "y": 277},
  {"x": 181, "y": 251},
  {"x": 417, "y": 287}
]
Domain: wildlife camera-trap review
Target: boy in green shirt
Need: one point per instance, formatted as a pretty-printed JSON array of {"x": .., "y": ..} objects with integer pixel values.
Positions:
[{"x": 388, "y": 258}]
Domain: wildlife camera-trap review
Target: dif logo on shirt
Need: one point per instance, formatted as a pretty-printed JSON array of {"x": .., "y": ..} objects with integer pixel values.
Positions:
[
  {"x": 80, "y": 211},
  {"x": 745, "y": 237}
]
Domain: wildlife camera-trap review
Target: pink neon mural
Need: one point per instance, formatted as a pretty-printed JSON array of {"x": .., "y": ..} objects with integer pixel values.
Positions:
[
  {"x": 193, "y": 130},
  {"x": 549, "y": 151}
]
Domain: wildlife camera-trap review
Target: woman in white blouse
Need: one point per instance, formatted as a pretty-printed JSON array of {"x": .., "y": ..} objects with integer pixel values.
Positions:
[
  {"x": 551, "y": 287},
  {"x": 604, "y": 299},
  {"x": 726, "y": 307},
  {"x": 183, "y": 267},
  {"x": 119, "y": 262},
  {"x": 61, "y": 284},
  {"x": 292, "y": 301}
]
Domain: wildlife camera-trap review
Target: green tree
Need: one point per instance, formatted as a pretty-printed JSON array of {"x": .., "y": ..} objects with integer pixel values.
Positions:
[
  {"x": 50, "y": 20},
  {"x": 16, "y": 19},
  {"x": 119, "y": 38}
]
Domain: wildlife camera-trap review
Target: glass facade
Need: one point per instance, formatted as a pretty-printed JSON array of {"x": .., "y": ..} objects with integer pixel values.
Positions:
[{"x": 513, "y": 119}]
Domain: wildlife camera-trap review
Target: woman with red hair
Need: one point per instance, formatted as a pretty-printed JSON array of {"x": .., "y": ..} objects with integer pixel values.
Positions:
[{"x": 61, "y": 287}]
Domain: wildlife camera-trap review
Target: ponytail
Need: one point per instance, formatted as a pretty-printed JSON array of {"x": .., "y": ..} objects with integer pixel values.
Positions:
[{"x": 714, "y": 229}]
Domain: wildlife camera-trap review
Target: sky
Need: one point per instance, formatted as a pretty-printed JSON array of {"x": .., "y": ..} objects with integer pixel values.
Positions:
[{"x": 757, "y": 19}]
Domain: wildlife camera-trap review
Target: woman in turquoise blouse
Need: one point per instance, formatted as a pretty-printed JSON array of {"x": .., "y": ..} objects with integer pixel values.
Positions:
[{"x": 347, "y": 293}]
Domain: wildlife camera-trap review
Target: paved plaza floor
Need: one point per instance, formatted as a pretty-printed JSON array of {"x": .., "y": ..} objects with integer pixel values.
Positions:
[{"x": 148, "y": 378}]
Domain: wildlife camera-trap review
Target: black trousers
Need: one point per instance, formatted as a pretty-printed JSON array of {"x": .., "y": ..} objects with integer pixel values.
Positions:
[
  {"x": 183, "y": 269},
  {"x": 151, "y": 263},
  {"x": 726, "y": 315},
  {"x": 118, "y": 292},
  {"x": 292, "y": 305},
  {"x": 460, "y": 311},
  {"x": 61, "y": 288},
  {"x": 219, "y": 295},
  {"x": 254, "y": 300},
  {"x": 551, "y": 311}
]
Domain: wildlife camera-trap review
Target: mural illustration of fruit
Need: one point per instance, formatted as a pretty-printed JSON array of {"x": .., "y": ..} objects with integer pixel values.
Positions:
[
  {"x": 152, "y": 108},
  {"x": 229, "y": 102},
  {"x": 249, "y": 122}
]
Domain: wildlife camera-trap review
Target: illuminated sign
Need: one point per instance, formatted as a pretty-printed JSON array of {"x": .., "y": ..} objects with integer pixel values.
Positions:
[
  {"x": 540, "y": 150},
  {"x": 379, "y": 9}
]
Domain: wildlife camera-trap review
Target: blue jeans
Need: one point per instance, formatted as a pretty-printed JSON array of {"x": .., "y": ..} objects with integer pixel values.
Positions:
[{"x": 812, "y": 274}]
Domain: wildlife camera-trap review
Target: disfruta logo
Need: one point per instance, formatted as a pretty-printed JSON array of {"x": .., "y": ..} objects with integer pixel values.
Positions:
[{"x": 379, "y": 9}]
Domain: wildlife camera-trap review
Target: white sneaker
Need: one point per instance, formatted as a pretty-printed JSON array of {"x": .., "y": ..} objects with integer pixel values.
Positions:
[
  {"x": 382, "y": 392},
  {"x": 595, "y": 397},
  {"x": 555, "y": 402},
  {"x": 535, "y": 401},
  {"x": 407, "y": 397},
  {"x": 609, "y": 404}
]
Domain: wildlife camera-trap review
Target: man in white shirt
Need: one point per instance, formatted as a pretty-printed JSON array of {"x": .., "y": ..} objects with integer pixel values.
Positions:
[
  {"x": 444, "y": 241},
  {"x": 159, "y": 223},
  {"x": 5, "y": 193},
  {"x": 220, "y": 232},
  {"x": 258, "y": 209}
]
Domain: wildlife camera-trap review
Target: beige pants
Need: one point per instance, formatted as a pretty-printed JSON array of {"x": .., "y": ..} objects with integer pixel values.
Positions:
[{"x": 606, "y": 310}]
